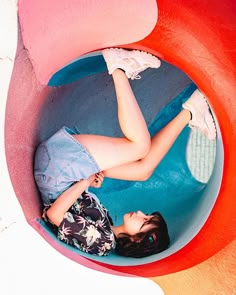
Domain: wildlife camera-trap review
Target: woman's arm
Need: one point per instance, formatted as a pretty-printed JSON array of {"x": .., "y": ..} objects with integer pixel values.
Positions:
[{"x": 56, "y": 212}]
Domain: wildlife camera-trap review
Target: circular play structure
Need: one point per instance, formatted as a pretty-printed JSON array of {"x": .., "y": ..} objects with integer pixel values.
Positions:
[{"x": 59, "y": 56}]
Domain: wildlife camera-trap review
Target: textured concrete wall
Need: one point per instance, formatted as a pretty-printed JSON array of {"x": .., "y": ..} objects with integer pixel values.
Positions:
[{"x": 215, "y": 276}]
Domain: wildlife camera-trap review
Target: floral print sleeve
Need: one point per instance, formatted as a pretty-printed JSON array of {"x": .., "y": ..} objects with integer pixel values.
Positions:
[{"x": 87, "y": 226}]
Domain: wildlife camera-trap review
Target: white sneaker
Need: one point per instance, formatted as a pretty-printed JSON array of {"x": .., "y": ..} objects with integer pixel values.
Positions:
[
  {"x": 131, "y": 61},
  {"x": 202, "y": 118}
]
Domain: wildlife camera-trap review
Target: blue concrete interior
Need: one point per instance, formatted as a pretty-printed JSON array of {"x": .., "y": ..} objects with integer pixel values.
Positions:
[{"x": 83, "y": 96}]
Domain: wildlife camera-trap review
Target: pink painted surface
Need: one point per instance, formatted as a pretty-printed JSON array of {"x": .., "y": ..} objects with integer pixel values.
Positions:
[
  {"x": 181, "y": 38},
  {"x": 25, "y": 100},
  {"x": 89, "y": 25}
]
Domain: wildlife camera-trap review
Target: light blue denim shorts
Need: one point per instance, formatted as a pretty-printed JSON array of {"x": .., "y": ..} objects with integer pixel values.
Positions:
[{"x": 59, "y": 162}]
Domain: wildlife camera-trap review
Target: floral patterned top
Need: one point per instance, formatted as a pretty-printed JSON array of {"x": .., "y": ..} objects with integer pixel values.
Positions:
[{"x": 86, "y": 226}]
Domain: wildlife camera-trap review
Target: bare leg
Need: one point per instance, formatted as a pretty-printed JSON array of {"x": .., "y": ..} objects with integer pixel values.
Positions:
[
  {"x": 130, "y": 117},
  {"x": 110, "y": 152},
  {"x": 160, "y": 145}
]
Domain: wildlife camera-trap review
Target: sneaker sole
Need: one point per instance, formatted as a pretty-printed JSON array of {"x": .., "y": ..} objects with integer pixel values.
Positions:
[{"x": 210, "y": 124}]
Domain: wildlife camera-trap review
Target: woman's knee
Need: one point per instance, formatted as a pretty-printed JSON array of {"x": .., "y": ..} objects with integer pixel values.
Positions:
[
  {"x": 144, "y": 147},
  {"x": 143, "y": 171},
  {"x": 146, "y": 174}
]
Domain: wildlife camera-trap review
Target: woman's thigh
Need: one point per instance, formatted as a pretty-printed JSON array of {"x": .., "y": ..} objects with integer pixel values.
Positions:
[{"x": 110, "y": 152}]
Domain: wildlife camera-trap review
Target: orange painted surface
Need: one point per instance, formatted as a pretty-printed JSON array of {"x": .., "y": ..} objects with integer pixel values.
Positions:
[{"x": 196, "y": 36}]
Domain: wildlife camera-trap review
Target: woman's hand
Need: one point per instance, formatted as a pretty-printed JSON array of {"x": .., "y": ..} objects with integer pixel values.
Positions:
[
  {"x": 62, "y": 204},
  {"x": 97, "y": 180}
]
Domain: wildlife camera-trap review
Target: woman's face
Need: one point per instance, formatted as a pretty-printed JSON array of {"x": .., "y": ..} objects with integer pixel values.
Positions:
[{"x": 134, "y": 222}]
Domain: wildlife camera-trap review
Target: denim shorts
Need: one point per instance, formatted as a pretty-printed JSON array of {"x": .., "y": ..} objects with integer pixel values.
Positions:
[{"x": 59, "y": 162}]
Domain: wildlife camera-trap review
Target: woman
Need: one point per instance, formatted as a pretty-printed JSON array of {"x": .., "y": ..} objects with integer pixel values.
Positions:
[{"x": 68, "y": 163}]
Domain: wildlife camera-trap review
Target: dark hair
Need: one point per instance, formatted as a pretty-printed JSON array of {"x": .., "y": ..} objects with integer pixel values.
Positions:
[{"x": 143, "y": 244}]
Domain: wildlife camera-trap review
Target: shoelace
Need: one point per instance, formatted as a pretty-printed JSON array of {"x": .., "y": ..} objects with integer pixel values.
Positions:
[{"x": 135, "y": 76}]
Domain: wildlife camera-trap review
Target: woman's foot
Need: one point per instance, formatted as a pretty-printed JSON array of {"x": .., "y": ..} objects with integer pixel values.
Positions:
[
  {"x": 132, "y": 62},
  {"x": 202, "y": 118}
]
